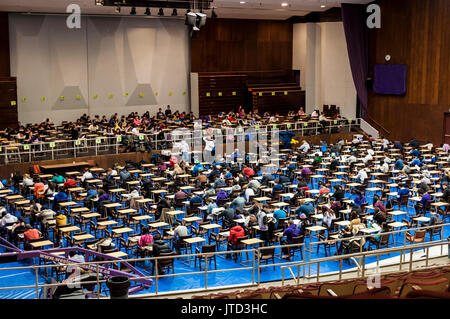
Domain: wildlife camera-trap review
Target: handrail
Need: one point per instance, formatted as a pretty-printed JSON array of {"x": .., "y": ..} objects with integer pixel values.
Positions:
[
  {"x": 365, "y": 254},
  {"x": 378, "y": 124},
  {"x": 112, "y": 144}
]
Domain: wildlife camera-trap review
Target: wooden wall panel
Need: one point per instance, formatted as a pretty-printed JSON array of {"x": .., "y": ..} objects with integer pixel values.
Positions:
[
  {"x": 4, "y": 45},
  {"x": 226, "y": 45},
  {"x": 415, "y": 33}
]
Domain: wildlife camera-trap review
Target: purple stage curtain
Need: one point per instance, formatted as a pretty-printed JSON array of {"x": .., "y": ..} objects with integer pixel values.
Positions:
[{"x": 356, "y": 35}]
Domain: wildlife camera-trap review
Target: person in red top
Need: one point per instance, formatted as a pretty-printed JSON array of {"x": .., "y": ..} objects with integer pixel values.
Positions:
[
  {"x": 30, "y": 234},
  {"x": 235, "y": 233},
  {"x": 324, "y": 189},
  {"x": 70, "y": 183},
  {"x": 146, "y": 238},
  {"x": 248, "y": 171}
]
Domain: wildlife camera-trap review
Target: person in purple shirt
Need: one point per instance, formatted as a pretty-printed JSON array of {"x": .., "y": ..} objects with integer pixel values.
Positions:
[
  {"x": 290, "y": 232},
  {"x": 221, "y": 194},
  {"x": 103, "y": 196},
  {"x": 305, "y": 172},
  {"x": 379, "y": 203},
  {"x": 424, "y": 203}
]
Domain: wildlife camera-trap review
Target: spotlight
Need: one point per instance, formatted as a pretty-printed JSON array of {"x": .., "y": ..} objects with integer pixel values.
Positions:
[
  {"x": 147, "y": 11},
  {"x": 161, "y": 12},
  {"x": 213, "y": 14},
  {"x": 195, "y": 21},
  {"x": 117, "y": 9},
  {"x": 99, "y": 2},
  {"x": 174, "y": 12},
  {"x": 133, "y": 11},
  {"x": 284, "y": 4}
]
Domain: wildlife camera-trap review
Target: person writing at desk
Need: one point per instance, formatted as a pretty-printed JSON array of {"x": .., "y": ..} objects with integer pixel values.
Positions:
[
  {"x": 290, "y": 232},
  {"x": 30, "y": 234},
  {"x": 235, "y": 233}
]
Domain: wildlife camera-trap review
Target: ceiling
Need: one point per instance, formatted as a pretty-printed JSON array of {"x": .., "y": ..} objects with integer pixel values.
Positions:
[{"x": 251, "y": 9}]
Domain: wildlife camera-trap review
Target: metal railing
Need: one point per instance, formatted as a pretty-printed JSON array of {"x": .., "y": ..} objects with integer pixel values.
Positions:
[
  {"x": 61, "y": 149},
  {"x": 361, "y": 261},
  {"x": 256, "y": 266}
]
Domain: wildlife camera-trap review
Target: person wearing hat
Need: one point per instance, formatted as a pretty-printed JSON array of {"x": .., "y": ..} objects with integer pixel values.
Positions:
[{"x": 302, "y": 224}]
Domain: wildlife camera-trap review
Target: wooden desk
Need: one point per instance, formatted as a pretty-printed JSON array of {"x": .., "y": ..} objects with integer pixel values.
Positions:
[
  {"x": 67, "y": 204},
  {"x": 143, "y": 217},
  {"x": 83, "y": 237},
  {"x": 122, "y": 230},
  {"x": 80, "y": 210},
  {"x": 107, "y": 223},
  {"x": 252, "y": 241},
  {"x": 194, "y": 240},
  {"x": 191, "y": 219},
  {"x": 91, "y": 215},
  {"x": 158, "y": 224},
  {"x": 210, "y": 226},
  {"x": 112, "y": 205},
  {"x": 43, "y": 243},
  {"x": 117, "y": 254},
  {"x": 68, "y": 229}
]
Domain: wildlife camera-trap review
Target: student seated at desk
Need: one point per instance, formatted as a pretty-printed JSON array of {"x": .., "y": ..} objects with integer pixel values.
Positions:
[
  {"x": 104, "y": 244},
  {"x": 358, "y": 198},
  {"x": 278, "y": 214},
  {"x": 90, "y": 194},
  {"x": 144, "y": 240},
  {"x": 7, "y": 219},
  {"x": 133, "y": 194},
  {"x": 58, "y": 179},
  {"x": 27, "y": 181},
  {"x": 180, "y": 230},
  {"x": 328, "y": 215},
  {"x": 30, "y": 234},
  {"x": 378, "y": 216},
  {"x": 306, "y": 208},
  {"x": 59, "y": 197},
  {"x": 277, "y": 187},
  {"x": 228, "y": 214},
  {"x": 18, "y": 228},
  {"x": 39, "y": 190},
  {"x": 235, "y": 233},
  {"x": 70, "y": 183}
]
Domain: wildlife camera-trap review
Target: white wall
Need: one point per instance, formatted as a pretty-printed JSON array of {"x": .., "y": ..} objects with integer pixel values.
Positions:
[
  {"x": 106, "y": 56},
  {"x": 326, "y": 72}
]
